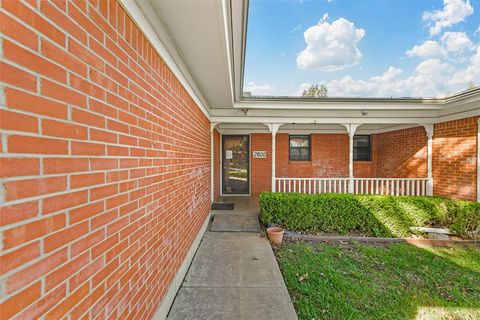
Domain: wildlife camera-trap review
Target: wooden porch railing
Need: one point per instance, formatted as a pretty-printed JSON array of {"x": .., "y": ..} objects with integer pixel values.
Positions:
[{"x": 391, "y": 186}]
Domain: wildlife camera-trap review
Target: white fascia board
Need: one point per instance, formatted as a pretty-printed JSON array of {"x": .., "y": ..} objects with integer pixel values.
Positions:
[
  {"x": 460, "y": 108},
  {"x": 239, "y": 11},
  {"x": 337, "y": 105},
  {"x": 458, "y": 115},
  {"x": 319, "y": 130},
  {"x": 280, "y": 103},
  {"x": 334, "y": 120},
  {"x": 471, "y": 101},
  {"x": 145, "y": 17},
  {"x": 227, "y": 24},
  {"x": 313, "y": 115}
]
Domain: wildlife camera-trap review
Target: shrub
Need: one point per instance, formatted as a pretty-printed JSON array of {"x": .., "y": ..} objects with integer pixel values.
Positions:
[{"x": 371, "y": 215}]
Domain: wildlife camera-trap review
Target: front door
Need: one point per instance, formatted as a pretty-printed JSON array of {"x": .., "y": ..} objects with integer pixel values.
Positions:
[{"x": 235, "y": 164}]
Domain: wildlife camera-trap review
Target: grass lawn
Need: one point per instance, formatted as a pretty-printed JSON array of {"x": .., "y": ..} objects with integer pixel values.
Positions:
[{"x": 395, "y": 281}]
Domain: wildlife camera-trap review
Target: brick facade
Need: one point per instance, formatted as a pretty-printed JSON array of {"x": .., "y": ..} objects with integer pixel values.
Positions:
[
  {"x": 395, "y": 154},
  {"x": 402, "y": 153},
  {"x": 329, "y": 157},
  {"x": 455, "y": 148},
  {"x": 261, "y": 169},
  {"x": 105, "y": 167}
]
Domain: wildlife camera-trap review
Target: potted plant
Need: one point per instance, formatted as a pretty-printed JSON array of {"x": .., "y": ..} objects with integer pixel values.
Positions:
[{"x": 275, "y": 234}]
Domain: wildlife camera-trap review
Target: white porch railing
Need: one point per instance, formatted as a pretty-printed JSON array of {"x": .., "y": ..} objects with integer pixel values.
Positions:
[
  {"x": 312, "y": 185},
  {"x": 391, "y": 186}
]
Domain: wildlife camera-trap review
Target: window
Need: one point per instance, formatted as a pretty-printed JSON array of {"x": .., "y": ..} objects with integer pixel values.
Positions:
[
  {"x": 361, "y": 148},
  {"x": 299, "y": 148}
]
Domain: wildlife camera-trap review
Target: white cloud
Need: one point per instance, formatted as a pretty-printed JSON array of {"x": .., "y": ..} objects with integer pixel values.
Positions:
[
  {"x": 470, "y": 74},
  {"x": 428, "y": 49},
  {"x": 453, "y": 12},
  {"x": 349, "y": 87},
  {"x": 258, "y": 89},
  {"x": 456, "y": 41},
  {"x": 428, "y": 79},
  {"x": 385, "y": 85},
  {"x": 331, "y": 46},
  {"x": 296, "y": 28},
  {"x": 431, "y": 78},
  {"x": 388, "y": 75},
  {"x": 477, "y": 31}
]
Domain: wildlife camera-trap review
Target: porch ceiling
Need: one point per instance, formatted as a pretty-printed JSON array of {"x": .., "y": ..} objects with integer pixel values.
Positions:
[{"x": 308, "y": 128}]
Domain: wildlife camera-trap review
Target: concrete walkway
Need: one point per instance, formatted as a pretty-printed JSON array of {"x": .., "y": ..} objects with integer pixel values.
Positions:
[{"x": 234, "y": 275}]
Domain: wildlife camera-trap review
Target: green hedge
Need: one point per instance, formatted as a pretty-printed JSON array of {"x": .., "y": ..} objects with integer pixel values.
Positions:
[{"x": 372, "y": 215}]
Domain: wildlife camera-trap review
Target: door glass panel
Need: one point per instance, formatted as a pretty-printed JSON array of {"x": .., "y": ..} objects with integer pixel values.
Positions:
[{"x": 235, "y": 164}]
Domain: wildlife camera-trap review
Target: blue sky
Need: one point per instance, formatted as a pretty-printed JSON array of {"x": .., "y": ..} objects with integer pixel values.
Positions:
[{"x": 383, "y": 48}]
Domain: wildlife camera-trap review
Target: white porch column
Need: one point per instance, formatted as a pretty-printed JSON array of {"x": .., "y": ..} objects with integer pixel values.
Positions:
[
  {"x": 429, "y": 131},
  {"x": 351, "y": 128},
  {"x": 273, "y": 127},
  {"x": 212, "y": 162},
  {"x": 478, "y": 160}
]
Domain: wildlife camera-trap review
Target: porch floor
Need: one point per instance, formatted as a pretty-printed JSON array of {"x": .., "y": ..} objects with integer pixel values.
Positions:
[{"x": 234, "y": 275}]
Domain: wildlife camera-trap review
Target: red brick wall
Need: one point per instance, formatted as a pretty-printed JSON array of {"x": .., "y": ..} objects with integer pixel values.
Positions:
[
  {"x": 105, "y": 164},
  {"x": 455, "y": 159},
  {"x": 261, "y": 169},
  {"x": 216, "y": 164},
  {"x": 329, "y": 157},
  {"x": 402, "y": 153}
]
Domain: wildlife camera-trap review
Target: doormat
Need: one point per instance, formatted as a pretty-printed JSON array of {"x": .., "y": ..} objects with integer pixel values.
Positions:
[{"x": 222, "y": 206}]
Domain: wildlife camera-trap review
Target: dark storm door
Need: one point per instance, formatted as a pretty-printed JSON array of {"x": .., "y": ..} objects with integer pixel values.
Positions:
[{"x": 235, "y": 164}]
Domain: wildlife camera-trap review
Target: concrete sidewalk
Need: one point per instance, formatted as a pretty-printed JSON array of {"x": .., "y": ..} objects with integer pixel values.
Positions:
[{"x": 234, "y": 275}]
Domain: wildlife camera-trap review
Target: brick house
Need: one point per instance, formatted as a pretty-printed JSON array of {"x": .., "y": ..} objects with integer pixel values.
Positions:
[{"x": 119, "y": 126}]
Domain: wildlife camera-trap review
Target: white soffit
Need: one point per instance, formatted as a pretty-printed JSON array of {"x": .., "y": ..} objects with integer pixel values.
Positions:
[
  {"x": 141, "y": 13},
  {"x": 199, "y": 33}
]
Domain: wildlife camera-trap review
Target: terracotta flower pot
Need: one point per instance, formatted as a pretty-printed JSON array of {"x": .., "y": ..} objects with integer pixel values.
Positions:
[{"x": 275, "y": 234}]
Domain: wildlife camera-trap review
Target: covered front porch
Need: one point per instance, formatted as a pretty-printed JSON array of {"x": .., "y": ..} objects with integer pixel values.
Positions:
[{"x": 370, "y": 158}]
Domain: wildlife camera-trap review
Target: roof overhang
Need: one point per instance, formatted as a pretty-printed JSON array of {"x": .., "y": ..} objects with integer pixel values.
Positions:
[{"x": 203, "y": 42}]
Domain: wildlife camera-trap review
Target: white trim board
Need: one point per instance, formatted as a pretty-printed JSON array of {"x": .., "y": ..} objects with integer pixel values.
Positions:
[
  {"x": 154, "y": 31},
  {"x": 245, "y": 131},
  {"x": 166, "y": 304}
]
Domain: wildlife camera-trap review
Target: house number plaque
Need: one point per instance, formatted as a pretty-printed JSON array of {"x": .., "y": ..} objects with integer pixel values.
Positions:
[{"x": 259, "y": 154}]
